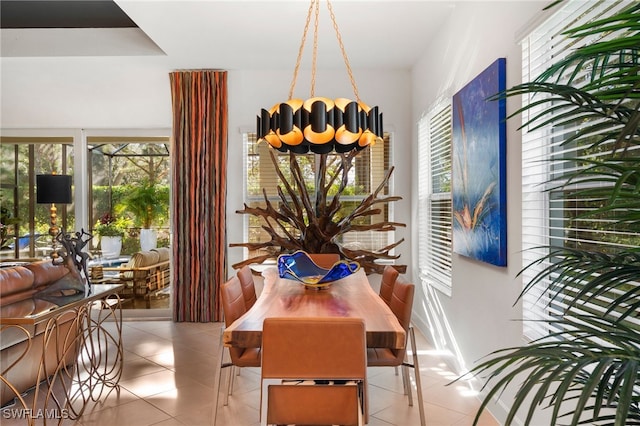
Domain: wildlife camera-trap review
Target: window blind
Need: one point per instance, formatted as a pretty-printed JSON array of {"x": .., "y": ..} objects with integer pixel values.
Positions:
[
  {"x": 549, "y": 213},
  {"x": 434, "y": 197},
  {"x": 368, "y": 171}
]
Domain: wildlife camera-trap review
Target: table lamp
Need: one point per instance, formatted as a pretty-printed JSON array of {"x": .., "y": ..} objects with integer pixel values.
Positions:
[{"x": 53, "y": 189}]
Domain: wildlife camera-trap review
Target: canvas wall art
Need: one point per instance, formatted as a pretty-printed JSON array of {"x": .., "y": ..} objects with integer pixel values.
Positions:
[{"x": 479, "y": 168}]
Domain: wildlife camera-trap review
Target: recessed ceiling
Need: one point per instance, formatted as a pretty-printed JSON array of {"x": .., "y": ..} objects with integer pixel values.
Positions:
[
  {"x": 50, "y": 28},
  {"x": 231, "y": 34},
  {"x": 63, "y": 14}
]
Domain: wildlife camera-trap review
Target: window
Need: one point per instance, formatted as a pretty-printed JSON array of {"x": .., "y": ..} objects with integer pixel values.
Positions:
[
  {"x": 368, "y": 171},
  {"x": 24, "y": 224},
  {"x": 434, "y": 197},
  {"x": 118, "y": 165},
  {"x": 549, "y": 215}
]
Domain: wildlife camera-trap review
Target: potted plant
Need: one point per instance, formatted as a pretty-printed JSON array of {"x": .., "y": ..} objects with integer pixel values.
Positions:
[
  {"x": 146, "y": 203},
  {"x": 588, "y": 371},
  {"x": 111, "y": 230}
]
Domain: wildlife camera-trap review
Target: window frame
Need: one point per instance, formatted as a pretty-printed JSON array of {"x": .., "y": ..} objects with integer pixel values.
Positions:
[{"x": 435, "y": 136}]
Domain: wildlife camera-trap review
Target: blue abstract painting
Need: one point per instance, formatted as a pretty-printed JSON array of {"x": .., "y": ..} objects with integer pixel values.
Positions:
[{"x": 479, "y": 168}]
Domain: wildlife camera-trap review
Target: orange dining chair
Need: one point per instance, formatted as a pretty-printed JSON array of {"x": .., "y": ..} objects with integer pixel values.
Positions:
[
  {"x": 389, "y": 277},
  {"x": 324, "y": 260},
  {"x": 313, "y": 371},
  {"x": 233, "y": 306},
  {"x": 245, "y": 275},
  {"x": 388, "y": 280},
  {"x": 401, "y": 304}
]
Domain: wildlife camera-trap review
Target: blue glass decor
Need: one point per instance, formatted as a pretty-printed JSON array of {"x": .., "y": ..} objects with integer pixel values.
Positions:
[{"x": 300, "y": 267}]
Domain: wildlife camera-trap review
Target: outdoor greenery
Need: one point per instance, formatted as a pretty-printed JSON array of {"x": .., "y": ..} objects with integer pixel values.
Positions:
[
  {"x": 147, "y": 203},
  {"x": 589, "y": 371},
  {"x": 129, "y": 206},
  {"x": 7, "y": 222},
  {"x": 110, "y": 226},
  {"x": 19, "y": 161},
  {"x": 116, "y": 168},
  {"x": 130, "y": 181}
]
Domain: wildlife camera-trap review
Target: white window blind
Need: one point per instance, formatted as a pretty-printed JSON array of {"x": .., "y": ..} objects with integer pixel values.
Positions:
[
  {"x": 368, "y": 171},
  {"x": 434, "y": 198},
  {"x": 549, "y": 214}
]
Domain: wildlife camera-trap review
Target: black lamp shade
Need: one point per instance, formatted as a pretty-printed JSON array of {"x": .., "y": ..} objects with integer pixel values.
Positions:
[{"x": 53, "y": 189}]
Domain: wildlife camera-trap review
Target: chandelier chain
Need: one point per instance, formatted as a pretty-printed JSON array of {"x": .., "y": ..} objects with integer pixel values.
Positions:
[
  {"x": 344, "y": 53},
  {"x": 316, "y": 4},
  {"x": 301, "y": 50},
  {"x": 314, "y": 64}
]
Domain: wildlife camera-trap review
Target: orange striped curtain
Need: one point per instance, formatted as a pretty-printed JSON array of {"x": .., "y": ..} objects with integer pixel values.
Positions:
[{"x": 199, "y": 167}]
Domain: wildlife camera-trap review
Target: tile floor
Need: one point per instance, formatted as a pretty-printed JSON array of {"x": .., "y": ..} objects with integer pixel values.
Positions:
[{"x": 169, "y": 374}]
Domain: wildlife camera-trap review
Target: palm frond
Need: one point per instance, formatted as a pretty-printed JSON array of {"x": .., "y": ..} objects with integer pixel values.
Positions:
[
  {"x": 580, "y": 276},
  {"x": 592, "y": 358},
  {"x": 565, "y": 105},
  {"x": 615, "y": 181},
  {"x": 603, "y": 56}
]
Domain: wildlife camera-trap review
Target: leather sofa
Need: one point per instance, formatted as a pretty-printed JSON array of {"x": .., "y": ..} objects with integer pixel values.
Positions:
[{"x": 18, "y": 286}]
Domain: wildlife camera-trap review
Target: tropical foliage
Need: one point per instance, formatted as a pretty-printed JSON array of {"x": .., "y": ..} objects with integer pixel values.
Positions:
[
  {"x": 147, "y": 203},
  {"x": 589, "y": 370},
  {"x": 110, "y": 226}
]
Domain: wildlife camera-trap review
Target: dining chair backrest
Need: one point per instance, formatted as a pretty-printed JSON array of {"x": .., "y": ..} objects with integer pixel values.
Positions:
[
  {"x": 233, "y": 307},
  {"x": 402, "y": 302},
  {"x": 324, "y": 260},
  {"x": 248, "y": 286},
  {"x": 312, "y": 349},
  {"x": 232, "y": 300},
  {"x": 389, "y": 277}
]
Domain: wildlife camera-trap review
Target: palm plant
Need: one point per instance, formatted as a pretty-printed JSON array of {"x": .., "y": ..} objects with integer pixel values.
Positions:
[
  {"x": 589, "y": 371},
  {"x": 146, "y": 202}
]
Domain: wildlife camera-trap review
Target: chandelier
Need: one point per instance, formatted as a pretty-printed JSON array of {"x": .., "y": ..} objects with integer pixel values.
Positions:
[{"x": 318, "y": 124}]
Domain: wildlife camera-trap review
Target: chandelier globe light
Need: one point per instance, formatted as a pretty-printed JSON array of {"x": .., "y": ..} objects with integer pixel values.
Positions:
[{"x": 319, "y": 124}]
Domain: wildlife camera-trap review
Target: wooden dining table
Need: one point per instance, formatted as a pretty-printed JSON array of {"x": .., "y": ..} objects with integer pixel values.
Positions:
[{"x": 352, "y": 297}]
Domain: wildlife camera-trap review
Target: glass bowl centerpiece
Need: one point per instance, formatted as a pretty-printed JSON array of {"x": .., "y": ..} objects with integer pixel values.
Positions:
[{"x": 299, "y": 266}]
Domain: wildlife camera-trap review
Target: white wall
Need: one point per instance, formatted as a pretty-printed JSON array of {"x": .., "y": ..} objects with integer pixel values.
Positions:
[{"x": 480, "y": 313}]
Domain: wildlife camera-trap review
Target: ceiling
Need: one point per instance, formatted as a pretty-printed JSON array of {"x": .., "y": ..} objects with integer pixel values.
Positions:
[
  {"x": 63, "y": 14},
  {"x": 225, "y": 34}
]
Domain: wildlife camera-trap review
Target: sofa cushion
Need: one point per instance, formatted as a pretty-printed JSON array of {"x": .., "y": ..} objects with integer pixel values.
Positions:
[
  {"x": 46, "y": 272},
  {"x": 143, "y": 258},
  {"x": 163, "y": 255},
  {"x": 15, "y": 284},
  {"x": 140, "y": 259}
]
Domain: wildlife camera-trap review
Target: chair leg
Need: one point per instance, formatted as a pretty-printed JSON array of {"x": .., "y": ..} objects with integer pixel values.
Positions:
[
  {"x": 396, "y": 368},
  {"x": 229, "y": 385},
  {"x": 218, "y": 377},
  {"x": 407, "y": 384},
  {"x": 416, "y": 371},
  {"x": 361, "y": 405},
  {"x": 235, "y": 371}
]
